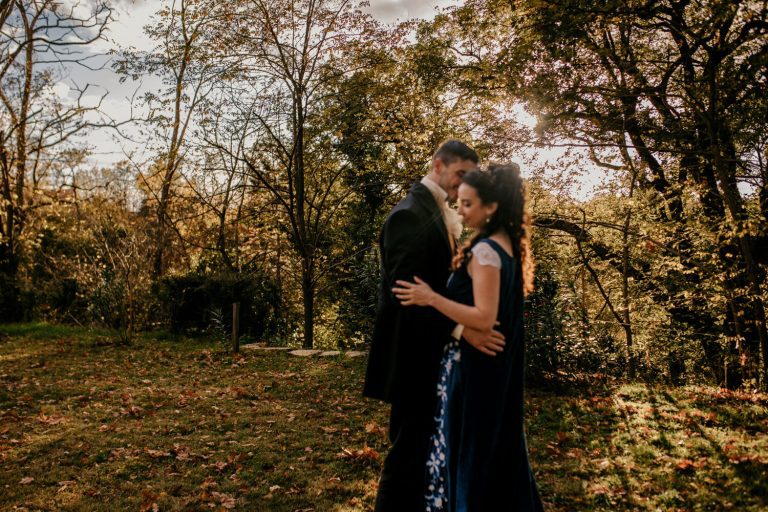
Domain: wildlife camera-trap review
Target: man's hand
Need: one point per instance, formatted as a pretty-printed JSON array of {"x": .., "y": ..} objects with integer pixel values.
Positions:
[{"x": 489, "y": 343}]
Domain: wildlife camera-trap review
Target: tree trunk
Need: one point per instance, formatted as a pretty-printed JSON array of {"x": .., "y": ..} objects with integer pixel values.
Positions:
[
  {"x": 627, "y": 321},
  {"x": 9, "y": 289},
  {"x": 171, "y": 159},
  {"x": 161, "y": 241},
  {"x": 308, "y": 291},
  {"x": 625, "y": 264},
  {"x": 14, "y": 197}
]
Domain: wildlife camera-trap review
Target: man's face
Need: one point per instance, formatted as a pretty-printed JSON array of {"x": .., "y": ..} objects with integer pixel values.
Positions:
[{"x": 449, "y": 176}]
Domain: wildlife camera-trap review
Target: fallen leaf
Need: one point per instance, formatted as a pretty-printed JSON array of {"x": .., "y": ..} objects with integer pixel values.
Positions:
[
  {"x": 225, "y": 500},
  {"x": 366, "y": 453},
  {"x": 50, "y": 420},
  {"x": 157, "y": 454}
]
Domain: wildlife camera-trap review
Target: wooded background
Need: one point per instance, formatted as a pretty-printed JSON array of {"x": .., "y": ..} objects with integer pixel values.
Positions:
[{"x": 285, "y": 130}]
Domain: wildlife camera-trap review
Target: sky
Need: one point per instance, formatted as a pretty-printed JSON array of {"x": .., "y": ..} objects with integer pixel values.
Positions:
[
  {"x": 126, "y": 31},
  {"x": 130, "y": 17}
]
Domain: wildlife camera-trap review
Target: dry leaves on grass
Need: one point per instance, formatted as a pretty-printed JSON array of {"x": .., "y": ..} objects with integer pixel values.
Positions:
[
  {"x": 51, "y": 420},
  {"x": 599, "y": 488},
  {"x": 225, "y": 500},
  {"x": 374, "y": 428},
  {"x": 689, "y": 466},
  {"x": 156, "y": 454},
  {"x": 134, "y": 411},
  {"x": 149, "y": 501},
  {"x": 272, "y": 490},
  {"x": 364, "y": 454}
]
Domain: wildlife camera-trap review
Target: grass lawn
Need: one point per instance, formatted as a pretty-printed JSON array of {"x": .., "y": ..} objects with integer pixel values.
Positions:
[{"x": 181, "y": 425}]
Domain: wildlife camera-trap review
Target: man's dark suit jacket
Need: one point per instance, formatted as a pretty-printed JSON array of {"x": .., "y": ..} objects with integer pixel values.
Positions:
[{"x": 407, "y": 343}]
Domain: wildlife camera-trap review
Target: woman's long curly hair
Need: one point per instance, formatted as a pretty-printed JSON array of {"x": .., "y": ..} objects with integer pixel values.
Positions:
[{"x": 502, "y": 184}]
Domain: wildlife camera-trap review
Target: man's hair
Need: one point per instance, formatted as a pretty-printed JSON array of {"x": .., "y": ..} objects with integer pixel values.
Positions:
[{"x": 452, "y": 150}]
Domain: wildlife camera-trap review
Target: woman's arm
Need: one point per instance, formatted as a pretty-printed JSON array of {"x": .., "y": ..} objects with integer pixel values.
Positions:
[{"x": 486, "y": 282}]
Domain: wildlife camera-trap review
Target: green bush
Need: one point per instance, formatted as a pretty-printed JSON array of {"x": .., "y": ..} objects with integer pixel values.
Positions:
[
  {"x": 193, "y": 301},
  {"x": 545, "y": 334},
  {"x": 558, "y": 345},
  {"x": 356, "y": 296},
  {"x": 10, "y": 305}
]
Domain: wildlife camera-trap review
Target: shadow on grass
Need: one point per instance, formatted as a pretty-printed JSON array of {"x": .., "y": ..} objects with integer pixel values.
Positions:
[
  {"x": 753, "y": 472},
  {"x": 635, "y": 447},
  {"x": 570, "y": 438},
  {"x": 44, "y": 330}
]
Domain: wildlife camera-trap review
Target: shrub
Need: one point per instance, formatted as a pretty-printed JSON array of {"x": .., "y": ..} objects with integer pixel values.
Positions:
[
  {"x": 545, "y": 336},
  {"x": 10, "y": 305},
  {"x": 188, "y": 301}
]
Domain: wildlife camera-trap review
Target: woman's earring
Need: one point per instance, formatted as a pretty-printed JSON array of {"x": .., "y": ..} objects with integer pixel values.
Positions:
[{"x": 487, "y": 220}]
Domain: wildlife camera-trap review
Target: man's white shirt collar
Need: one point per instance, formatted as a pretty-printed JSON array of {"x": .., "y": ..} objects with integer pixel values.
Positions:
[
  {"x": 438, "y": 193},
  {"x": 450, "y": 216}
]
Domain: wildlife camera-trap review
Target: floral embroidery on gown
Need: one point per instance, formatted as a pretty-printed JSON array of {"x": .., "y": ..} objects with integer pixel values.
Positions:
[{"x": 437, "y": 487}]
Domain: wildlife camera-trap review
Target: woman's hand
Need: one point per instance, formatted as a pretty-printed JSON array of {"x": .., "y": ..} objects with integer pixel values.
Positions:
[{"x": 414, "y": 294}]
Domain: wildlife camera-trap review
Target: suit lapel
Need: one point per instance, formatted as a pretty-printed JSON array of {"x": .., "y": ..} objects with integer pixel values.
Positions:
[{"x": 426, "y": 199}]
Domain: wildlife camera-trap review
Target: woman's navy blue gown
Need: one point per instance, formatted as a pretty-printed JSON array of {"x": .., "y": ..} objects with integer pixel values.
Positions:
[{"x": 479, "y": 457}]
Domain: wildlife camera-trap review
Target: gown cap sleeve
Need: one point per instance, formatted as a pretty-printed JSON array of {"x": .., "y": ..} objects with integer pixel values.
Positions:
[{"x": 486, "y": 255}]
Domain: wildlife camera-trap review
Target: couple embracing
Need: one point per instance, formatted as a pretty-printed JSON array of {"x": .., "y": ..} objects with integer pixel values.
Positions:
[{"x": 448, "y": 350}]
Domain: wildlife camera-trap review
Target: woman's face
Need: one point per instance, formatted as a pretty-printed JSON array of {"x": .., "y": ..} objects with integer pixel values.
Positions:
[{"x": 471, "y": 208}]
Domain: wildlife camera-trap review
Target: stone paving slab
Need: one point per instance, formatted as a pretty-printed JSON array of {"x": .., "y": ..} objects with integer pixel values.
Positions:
[
  {"x": 253, "y": 346},
  {"x": 305, "y": 353}
]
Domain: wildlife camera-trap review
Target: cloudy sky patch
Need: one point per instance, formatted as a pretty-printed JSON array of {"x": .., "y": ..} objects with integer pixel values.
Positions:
[
  {"x": 127, "y": 31},
  {"x": 390, "y": 11}
]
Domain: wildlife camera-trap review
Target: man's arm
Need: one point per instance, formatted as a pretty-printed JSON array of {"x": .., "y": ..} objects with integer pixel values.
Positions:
[
  {"x": 402, "y": 249},
  {"x": 489, "y": 343},
  {"x": 405, "y": 256}
]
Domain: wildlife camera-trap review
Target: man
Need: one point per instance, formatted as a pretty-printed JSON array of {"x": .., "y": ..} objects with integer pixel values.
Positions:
[{"x": 417, "y": 239}]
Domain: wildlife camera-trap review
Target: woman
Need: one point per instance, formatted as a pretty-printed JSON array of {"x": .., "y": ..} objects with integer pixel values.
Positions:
[{"x": 479, "y": 459}]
